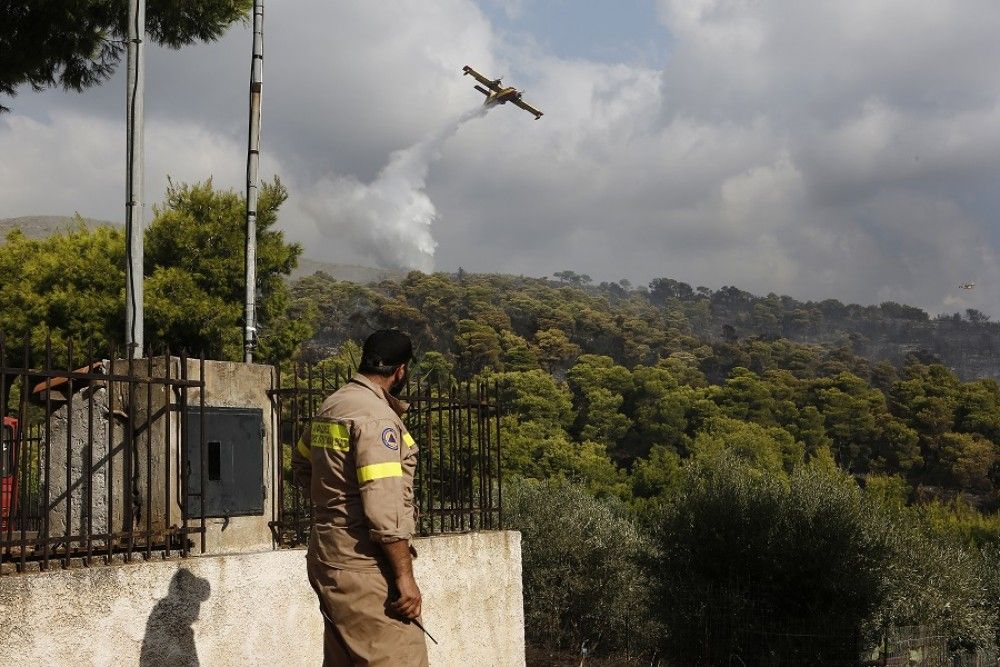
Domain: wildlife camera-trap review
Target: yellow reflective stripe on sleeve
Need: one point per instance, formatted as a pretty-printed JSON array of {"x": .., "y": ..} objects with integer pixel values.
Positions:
[
  {"x": 303, "y": 450},
  {"x": 331, "y": 435},
  {"x": 379, "y": 470},
  {"x": 408, "y": 439}
]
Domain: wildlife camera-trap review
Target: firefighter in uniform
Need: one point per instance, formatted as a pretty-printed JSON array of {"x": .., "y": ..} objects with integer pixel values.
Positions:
[{"x": 357, "y": 462}]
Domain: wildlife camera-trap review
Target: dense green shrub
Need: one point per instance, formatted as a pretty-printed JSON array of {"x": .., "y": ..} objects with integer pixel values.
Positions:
[
  {"x": 582, "y": 579},
  {"x": 800, "y": 570}
]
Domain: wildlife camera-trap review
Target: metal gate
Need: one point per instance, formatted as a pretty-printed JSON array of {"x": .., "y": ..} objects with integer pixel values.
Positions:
[
  {"x": 95, "y": 457},
  {"x": 458, "y": 484}
]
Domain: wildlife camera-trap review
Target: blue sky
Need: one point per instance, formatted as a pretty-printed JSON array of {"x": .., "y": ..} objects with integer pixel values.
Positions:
[{"x": 626, "y": 31}]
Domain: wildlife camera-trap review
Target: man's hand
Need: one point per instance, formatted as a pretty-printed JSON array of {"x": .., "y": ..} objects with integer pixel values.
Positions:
[{"x": 408, "y": 603}]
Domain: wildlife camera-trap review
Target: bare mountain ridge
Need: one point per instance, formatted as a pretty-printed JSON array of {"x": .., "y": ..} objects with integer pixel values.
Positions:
[
  {"x": 42, "y": 226},
  {"x": 350, "y": 273}
]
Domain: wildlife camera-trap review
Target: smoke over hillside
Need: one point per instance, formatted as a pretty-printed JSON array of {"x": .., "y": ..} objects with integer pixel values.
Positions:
[{"x": 390, "y": 219}]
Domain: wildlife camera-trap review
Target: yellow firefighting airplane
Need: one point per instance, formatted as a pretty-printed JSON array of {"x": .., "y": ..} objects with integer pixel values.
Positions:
[
  {"x": 968, "y": 286},
  {"x": 497, "y": 94}
]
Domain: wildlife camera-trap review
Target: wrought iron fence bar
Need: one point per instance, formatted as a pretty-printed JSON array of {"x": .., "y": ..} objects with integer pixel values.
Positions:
[
  {"x": 184, "y": 472},
  {"x": 25, "y": 455},
  {"x": 452, "y": 458},
  {"x": 319, "y": 392},
  {"x": 488, "y": 470},
  {"x": 482, "y": 460},
  {"x": 69, "y": 451},
  {"x": 429, "y": 485},
  {"x": 148, "y": 507},
  {"x": 89, "y": 491},
  {"x": 6, "y": 512},
  {"x": 110, "y": 512},
  {"x": 470, "y": 477},
  {"x": 202, "y": 450},
  {"x": 278, "y": 463},
  {"x": 82, "y": 538},
  {"x": 295, "y": 438},
  {"x": 42, "y": 374},
  {"x": 441, "y": 468},
  {"x": 310, "y": 406},
  {"x": 48, "y": 457},
  {"x": 129, "y": 458},
  {"x": 499, "y": 475},
  {"x": 166, "y": 447}
]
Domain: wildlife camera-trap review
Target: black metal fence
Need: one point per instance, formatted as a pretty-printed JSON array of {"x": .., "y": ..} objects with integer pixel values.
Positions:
[
  {"x": 458, "y": 485},
  {"x": 92, "y": 456}
]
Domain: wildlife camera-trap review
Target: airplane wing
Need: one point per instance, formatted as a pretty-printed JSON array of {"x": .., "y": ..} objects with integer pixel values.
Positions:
[
  {"x": 527, "y": 107},
  {"x": 480, "y": 78}
]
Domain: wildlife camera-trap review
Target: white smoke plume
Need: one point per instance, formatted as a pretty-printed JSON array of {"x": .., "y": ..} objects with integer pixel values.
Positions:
[{"x": 390, "y": 219}]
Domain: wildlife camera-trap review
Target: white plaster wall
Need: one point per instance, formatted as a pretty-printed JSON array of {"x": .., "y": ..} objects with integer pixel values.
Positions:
[
  {"x": 473, "y": 602},
  {"x": 252, "y": 609}
]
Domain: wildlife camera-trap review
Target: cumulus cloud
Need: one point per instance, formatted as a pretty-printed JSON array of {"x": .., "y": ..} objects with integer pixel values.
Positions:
[
  {"x": 69, "y": 162},
  {"x": 846, "y": 150},
  {"x": 886, "y": 111},
  {"x": 843, "y": 150}
]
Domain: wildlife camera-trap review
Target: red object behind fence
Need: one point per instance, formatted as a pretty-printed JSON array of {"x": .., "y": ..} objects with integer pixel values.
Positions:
[{"x": 8, "y": 471}]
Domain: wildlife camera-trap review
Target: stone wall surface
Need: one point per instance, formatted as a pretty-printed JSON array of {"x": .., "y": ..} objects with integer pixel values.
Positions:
[
  {"x": 78, "y": 433},
  {"x": 252, "y": 609}
]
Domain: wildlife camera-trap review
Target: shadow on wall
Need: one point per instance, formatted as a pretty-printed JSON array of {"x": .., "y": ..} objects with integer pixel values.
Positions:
[{"x": 169, "y": 640}]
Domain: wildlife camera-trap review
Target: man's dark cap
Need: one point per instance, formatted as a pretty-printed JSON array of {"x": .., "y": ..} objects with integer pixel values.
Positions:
[{"x": 386, "y": 349}]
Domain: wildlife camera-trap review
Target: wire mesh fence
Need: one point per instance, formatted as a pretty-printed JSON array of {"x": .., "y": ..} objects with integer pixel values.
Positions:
[
  {"x": 458, "y": 484},
  {"x": 926, "y": 646},
  {"x": 717, "y": 626},
  {"x": 94, "y": 456}
]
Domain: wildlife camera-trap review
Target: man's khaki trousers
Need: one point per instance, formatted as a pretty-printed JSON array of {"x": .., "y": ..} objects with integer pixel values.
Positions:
[{"x": 360, "y": 628}]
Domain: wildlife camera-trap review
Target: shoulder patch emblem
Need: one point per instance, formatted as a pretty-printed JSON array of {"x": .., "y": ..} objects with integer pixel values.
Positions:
[{"x": 390, "y": 439}]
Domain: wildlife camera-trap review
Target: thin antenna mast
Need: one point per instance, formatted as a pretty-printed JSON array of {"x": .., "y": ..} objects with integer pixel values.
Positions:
[
  {"x": 134, "y": 224},
  {"x": 253, "y": 160}
]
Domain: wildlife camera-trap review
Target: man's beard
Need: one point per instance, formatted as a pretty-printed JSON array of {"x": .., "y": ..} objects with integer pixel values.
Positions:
[{"x": 397, "y": 388}]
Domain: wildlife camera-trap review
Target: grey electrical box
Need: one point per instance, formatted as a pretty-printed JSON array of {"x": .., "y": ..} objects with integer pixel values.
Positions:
[{"x": 233, "y": 462}]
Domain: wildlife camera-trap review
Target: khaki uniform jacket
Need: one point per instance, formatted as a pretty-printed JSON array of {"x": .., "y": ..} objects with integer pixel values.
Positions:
[{"x": 357, "y": 462}]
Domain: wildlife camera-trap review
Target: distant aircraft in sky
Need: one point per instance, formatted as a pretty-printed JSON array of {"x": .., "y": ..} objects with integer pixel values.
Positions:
[
  {"x": 967, "y": 285},
  {"x": 497, "y": 94}
]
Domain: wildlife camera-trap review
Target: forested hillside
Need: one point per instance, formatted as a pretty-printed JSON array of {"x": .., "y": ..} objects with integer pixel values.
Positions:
[
  {"x": 612, "y": 385},
  {"x": 639, "y": 325}
]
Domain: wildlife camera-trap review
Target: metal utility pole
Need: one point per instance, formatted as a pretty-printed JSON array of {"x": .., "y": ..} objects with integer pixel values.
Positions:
[
  {"x": 134, "y": 295},
  {"x": 253, "y": 162}
]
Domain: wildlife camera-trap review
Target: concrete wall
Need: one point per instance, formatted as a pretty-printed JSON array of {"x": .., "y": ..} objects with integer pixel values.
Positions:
[{"x": 253, "y": 609}]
